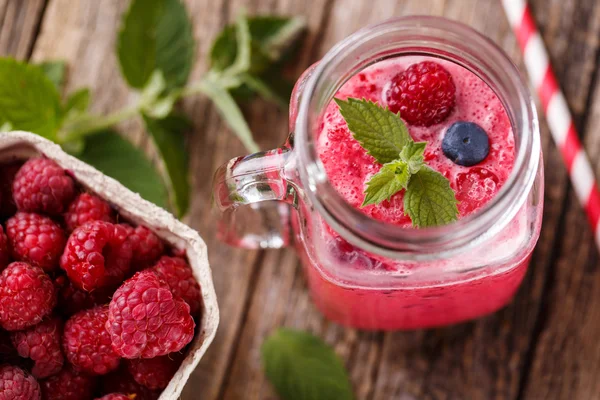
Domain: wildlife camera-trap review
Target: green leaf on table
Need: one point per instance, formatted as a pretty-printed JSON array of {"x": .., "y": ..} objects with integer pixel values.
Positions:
[
  {"x": 78, "y": 101},
  {"x": 55, "y": 71},
  {"x": 271, "y": 40},
  {"x": 156, "y": 34},
  {"x": 392, "y": 178},
  {"x": 378, "y": 130},
  {"x": 302, "y": 367},
  {"x": 116, "y": 157},
  {"x": 28, "y": 99},
  {"x": 170, "y": 142},
  {"x": 175, "y": 44},
  {"x": 230, "y": 112},
  {"x": 429, "y": 200}
]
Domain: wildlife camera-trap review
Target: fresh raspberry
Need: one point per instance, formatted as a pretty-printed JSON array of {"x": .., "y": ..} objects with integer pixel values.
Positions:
[
  {"x": 4, "y": 249},
  {"x": 41, "y": 343},
  {"x": 85, "y": 208},
  {"x": 86, "y": 342},
  {"x": 7, "y": 177},
  {"x": 155, "y": 373},
  {"x": 35, "y": 239},
  {"x": 423, "y": 94},
  {"x": 69, "y": 384},
  {"x": 179, "y": 276},
  {"x": 147, "y": 248},
  {"x": 114, "y": 396},
  {"x": 146, "y": 320},
  {"x": 71, "y": 299},
  {"x": 97, "y": 254},
  {"x": 41, "y": 185},
  {"x": 16, "y": 384},
  {"x": 121, "y": 381},
  {"x": 27, "y": 295}
]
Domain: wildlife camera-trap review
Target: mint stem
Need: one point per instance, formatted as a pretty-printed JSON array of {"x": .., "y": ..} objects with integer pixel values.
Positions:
[{"x": 90, "y": 123}]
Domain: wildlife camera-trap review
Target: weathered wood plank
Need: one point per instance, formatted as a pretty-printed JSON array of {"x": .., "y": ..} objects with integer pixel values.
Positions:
[
  {"x": 484, "y": 359},
  {"x": 83, "y": 34},
  {"x": 566, "y": 354},
  {"x": 19, "y": 21}
]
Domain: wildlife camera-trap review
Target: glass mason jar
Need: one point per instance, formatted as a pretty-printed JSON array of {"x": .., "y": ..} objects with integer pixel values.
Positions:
[{"x": 366, "y": 273}]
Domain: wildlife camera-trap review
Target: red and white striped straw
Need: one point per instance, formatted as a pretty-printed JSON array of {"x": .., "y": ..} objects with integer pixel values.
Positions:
[{"x": 556, "y": 109}]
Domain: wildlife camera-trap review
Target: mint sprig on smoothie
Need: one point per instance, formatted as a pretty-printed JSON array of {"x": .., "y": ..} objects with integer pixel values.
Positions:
[{"x": 428, "y": 199}]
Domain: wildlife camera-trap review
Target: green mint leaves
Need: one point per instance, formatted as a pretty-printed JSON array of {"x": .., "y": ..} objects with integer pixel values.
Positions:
[
  {"x": 429, "y": 200},
  {"x": 378, "y": 130},
  {"x": 29, "y": 100},
  {"x": 302, "y": 367},
  {"x": 156, "y": 35},
  {"x": 392, "y": 178},
  {"x": 156, "y": 53}
]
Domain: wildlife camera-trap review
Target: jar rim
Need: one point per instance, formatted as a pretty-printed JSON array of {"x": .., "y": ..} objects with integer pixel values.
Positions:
[{"x": 432, "y": 36}]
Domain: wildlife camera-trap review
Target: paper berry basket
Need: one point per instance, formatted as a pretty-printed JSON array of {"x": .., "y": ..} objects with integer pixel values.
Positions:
[{"x": 23, "y": 145}]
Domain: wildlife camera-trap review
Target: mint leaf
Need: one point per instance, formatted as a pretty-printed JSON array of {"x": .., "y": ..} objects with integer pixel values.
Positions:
[
  {"x": 156, "y": 34},
  {"x": 378, "y": 130},
  {"x": 28, "y": 99},
  {"x": 55, "y": 71},
  {"x": 136, "y": 43},
  {"x": 170, "y": 142},
  {"x": 272, "y": 38},
  {"x": 412, "y": 155},
  {"x": 175, "y": 44},
  {"x": 78, "y": 101},
  {"x": 429, "y": 200},
  {"x": 118, "y": 158},
  {"x": 302, "y": 367},
  {"x": 392, "y": 178}
]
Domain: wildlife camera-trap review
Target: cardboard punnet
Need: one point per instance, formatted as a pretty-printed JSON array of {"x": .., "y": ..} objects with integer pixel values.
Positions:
[{"x": 23, "y": 145}]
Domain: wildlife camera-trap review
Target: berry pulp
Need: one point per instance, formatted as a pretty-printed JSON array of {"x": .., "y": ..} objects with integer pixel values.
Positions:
[{"x": 364, "y": 290}]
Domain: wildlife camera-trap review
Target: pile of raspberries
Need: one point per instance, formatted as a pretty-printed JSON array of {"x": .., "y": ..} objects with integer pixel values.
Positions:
[{"x": 90, "y": 307}]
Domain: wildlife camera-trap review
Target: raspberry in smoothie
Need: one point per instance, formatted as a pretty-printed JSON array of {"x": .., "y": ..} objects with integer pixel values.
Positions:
[{"x": 470, "y": 142}]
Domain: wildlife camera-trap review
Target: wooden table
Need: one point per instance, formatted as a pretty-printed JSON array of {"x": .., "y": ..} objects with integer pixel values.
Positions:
[{"x": 545, "y": 345}]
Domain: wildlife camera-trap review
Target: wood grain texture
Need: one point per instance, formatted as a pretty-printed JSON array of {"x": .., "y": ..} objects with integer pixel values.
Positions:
[
  {"x": 542, "y": 346},
  {"x": 19, "y": 22},
  {"x": 566, "y": 354}
]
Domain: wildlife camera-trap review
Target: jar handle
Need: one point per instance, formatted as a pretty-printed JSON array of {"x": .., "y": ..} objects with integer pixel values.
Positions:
[{"x": 253, "y": 198}]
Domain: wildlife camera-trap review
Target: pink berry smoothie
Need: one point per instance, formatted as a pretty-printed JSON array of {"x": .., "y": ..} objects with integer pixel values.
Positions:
[{"x": 371, "y": 292}]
